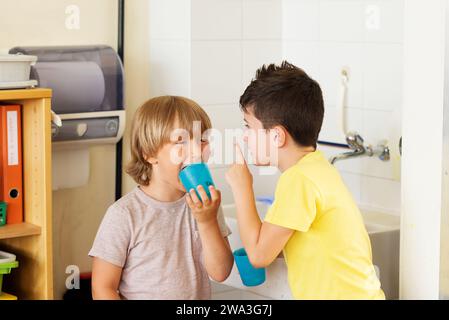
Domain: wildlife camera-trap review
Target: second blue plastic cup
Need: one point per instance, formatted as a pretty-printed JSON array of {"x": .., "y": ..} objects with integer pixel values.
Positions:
[
  {"x": 196, "y": 174},
  {"x": 250, "y": 276}
]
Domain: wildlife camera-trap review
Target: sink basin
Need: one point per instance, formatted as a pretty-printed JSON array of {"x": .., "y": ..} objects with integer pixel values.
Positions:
[
  {"x": 383, "y": 230},
  {"x": 275, "y": 285}
]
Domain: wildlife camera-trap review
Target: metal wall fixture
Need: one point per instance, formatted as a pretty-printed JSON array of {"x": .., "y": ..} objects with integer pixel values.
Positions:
[{"x": 359, "y": 149}]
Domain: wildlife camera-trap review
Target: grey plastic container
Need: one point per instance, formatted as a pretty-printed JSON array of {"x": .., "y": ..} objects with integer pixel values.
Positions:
[{"x": 16, "y": 67}]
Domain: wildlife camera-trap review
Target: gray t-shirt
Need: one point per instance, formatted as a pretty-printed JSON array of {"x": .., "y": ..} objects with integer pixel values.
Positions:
[{"x": 158, "y": 246}]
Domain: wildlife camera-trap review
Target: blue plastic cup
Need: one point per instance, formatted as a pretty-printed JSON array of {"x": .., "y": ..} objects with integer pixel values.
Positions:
[
  {"x": 250, "y": 276},
  {"x": 196, "y": 174}
]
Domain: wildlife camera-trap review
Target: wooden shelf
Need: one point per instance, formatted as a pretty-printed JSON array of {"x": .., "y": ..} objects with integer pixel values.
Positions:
[
  {"x": 19, "y": 230},
  {"x": 31, "y": 241},
  {"x": 22, "y": 94}
]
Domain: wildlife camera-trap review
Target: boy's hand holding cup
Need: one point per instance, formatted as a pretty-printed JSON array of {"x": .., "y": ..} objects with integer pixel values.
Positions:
[
  {"x": 205, "y": 209},
  {"x": 202, "y": 197}
]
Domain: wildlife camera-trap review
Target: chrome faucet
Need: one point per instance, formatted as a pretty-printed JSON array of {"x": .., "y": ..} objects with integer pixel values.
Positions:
[{"x": 356, "y": 144}]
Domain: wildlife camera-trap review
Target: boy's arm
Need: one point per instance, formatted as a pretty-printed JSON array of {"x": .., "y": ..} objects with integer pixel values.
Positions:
[
  {"x": 105, "y": 280},
  {"x": 263, "y": 241},
  {"x": 217, "y": 255}
]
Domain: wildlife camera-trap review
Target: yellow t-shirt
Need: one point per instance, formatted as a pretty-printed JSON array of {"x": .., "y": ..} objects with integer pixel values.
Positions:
[{"x": 329, "y": 254}]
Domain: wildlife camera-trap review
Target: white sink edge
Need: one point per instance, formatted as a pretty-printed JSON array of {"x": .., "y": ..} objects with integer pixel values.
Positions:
[{"x": 379, "y": 220}]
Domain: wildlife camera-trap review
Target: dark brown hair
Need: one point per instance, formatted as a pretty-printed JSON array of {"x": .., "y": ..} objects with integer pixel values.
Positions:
[{"x": 285, "y": 95}]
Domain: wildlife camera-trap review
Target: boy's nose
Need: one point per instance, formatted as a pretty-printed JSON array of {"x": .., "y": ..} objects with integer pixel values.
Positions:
[{"x": 193, "y": 153}]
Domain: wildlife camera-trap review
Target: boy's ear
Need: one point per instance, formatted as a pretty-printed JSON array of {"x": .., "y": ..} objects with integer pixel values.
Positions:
[
  {"x": 151, "y": 160},
  {"x": 280, "y": 136}
]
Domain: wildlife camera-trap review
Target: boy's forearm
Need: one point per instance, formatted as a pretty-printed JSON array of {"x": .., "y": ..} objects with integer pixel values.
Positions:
[
  {"x": 217, "y": 254},
  {"x": 248, "y": 219}
]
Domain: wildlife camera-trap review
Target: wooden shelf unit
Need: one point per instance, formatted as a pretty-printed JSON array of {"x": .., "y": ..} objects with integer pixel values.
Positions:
[
  {"x": 19, "y": 230},
  {"x": 31, "y": 241}
]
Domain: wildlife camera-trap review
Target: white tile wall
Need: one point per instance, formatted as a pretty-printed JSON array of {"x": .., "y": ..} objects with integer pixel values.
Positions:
[
  {"x": 304, "y": 55},
  {"x": 381, "y": 194},
  {"x": 209, "y": 50},
  {"x": 225, "y": 119},
  {"x": 373, "y": 120},
  {"x": 300, "y": 20},
  {"x": 226, "y": 116},
  {"x": 341, "y": 21},
  {"x": 257, "y": 53},
  {"x": 216, "y": 71},
  {"x": 230, "y": 40},
  {"x": 389, "y": 121},
  {"x": 331, "y": 130},
  {"x": 262, "y": 19},
  {"x": 365, "y": 36},
  {"x": 354, "y": 183},
  {"x": 168, "y": 19},
  {"x": 216, "y": 19},
  {"x": 332, "y": 58},
  {"x": 384, "y": 20},
  {"x": 382, "y": 81},
  {"x": 169, "y": 67}
]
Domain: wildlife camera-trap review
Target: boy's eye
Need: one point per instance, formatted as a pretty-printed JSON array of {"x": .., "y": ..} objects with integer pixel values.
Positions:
[
  {"x": 246, "y": 125},
  {"x": 204, "y": 141}
]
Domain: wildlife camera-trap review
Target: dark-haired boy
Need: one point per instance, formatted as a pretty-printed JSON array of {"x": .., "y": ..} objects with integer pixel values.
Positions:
[{"x": 314, "y": 219}]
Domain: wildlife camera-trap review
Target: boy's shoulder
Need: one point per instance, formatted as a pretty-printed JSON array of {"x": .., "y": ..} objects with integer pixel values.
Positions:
[
  {"x": 127, "y": 203},
  {"x": 315, "y": 167},
  {"x": 296, "y": 176},
  {"x": 312, "y": 172}
]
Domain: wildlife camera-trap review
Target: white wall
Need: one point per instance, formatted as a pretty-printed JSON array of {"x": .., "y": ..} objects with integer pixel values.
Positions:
[
  {"x": 225, "y": 56},
  {"x": 422, "y": 165},
  {"x": 210, "y": 49},
  {"x": 366, "y": 36}
]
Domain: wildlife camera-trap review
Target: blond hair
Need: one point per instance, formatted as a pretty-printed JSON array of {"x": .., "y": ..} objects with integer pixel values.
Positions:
[{"x": 152, "y": 126}]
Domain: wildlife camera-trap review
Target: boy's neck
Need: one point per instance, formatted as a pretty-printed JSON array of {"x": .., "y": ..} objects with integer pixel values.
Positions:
[
  {"x": 161, "y": 191},
  {"x": 290, "y": 156}
]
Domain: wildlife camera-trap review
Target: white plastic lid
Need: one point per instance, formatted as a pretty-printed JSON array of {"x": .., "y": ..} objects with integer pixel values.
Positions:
[
  {"x": 17, "y": 58},
  {"x": 6, "y": 257}
]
